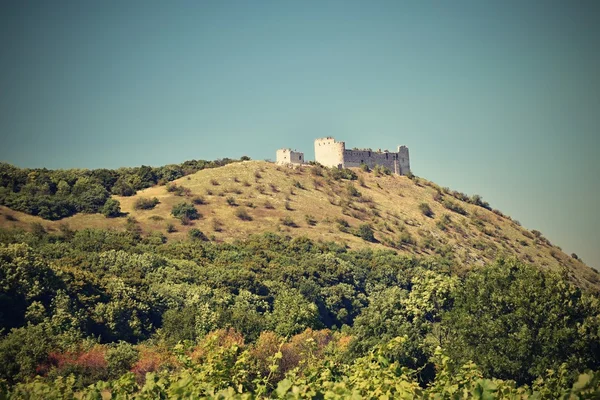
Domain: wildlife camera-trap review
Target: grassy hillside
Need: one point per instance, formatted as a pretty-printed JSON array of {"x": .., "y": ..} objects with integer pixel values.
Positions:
[{"x": 309, "y": 201}]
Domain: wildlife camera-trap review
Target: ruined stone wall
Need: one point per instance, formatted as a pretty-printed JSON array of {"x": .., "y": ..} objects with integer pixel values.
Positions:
[
  {"x": 353, "y": 158},
  {"x": 398, "y": 163},
  {"x": 288, "y": 156},
  {"x": 329, "y": 152}
]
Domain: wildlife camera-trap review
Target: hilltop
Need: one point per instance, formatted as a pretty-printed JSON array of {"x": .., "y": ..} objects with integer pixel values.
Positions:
[{"x": 356, "y": 208}]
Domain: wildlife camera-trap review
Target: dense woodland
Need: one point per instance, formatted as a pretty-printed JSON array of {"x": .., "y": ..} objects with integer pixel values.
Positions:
[
  {"x": 280, "y": 317},
  {"x": 55, "y": 194},
  {"x": 94, "y": 313}
]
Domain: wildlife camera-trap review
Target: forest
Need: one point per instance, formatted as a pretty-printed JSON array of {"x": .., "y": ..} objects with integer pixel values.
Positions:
[
  {"x": 98, "y": 313},
  {"x": 55, "y": 194}
]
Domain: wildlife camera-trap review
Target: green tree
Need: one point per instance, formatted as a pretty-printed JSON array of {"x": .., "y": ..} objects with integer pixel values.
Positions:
[
  {"x": 112, "y": 208},
  {"x": 185, "y": 210},
  {"x": 516, "y": 321}
]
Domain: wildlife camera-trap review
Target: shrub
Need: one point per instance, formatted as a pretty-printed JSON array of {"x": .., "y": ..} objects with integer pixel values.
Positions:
[
  {"x": 406, "y": 238},
  {"x": 365, "y": 232},
  {"x": 185, "y": 210},
  {"x": 310, "y": 220},
  {"x": 317, "y": 170},
  {"x": 288, "y": 221},
  {"x": 171, "y": 228},
  {"x": 112, "y": 208},
  {"x": 426, "y": 210},
  {"x": 288, "y": 206},
  {"x": 343, "y": 225},
  {"x": 155, "y": 218},
  {"x": 352, "y": 191},
  {"x": 452, "y": 206},
  {"x": 197, "y": 234},
  {"x": 145, "y": 204},
  {"x": 365, "y": 167},
  {"x": 10, "y": 217},
  {"x": 199, "y": 200},
  {"x": 120, "y": 358},
  {"x": 339, "y": 174},
  {"x": 298, "y": 185},
  {"x": 231, "y": 201},
  {"x": 177, "y": 189},
  {"x": 268, "y": 205},
  {"x": 242, "y": 214},
  {"x": 214, "y": 182}
]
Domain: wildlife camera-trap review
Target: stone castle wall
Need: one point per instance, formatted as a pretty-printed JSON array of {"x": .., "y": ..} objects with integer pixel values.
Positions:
[
  {"x": 288, "y": 156},
  {"x": 331, "y": 153}
]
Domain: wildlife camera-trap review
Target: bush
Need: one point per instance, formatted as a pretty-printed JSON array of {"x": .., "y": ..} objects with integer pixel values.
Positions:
[
  {"x": 426, "y": 210},
  {"x": 178, "y": 190},
  {"x": 406, "y": 238},
  {"x": 120, "y": 359},
  {"x": 231, "y": 201},
  {"x": 339, "y": 174},
  {"x": 288, "y": 221},
  {"x": 145, "y": 204},
  {"x": 185, "y": 210},
  {"x": 242, "y": 214},
  {"x": 171, "y": 228},
  {"x": 112, "y": 208},
  {"x": 197, "y": 234},
  {"x": 365, "y": 232},
  {"x": 452, "y": 206},
  {"x": 365, "y": 167},
  {"x": 310, "y": 220},
  {"x": 352, "y": 191},
  {"x": 268, "y": 205},
  {"x": 214, "y": 182},
  {"x": 199, "y": 200}
]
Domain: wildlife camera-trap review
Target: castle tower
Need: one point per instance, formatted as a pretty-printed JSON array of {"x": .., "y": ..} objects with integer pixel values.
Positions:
[
  {"x": 403, "y": 161},
  {"x": 329, "y": 152}
]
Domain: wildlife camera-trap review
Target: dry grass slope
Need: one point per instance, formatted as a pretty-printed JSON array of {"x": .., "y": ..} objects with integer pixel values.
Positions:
[{"x": 251, "y": 197}]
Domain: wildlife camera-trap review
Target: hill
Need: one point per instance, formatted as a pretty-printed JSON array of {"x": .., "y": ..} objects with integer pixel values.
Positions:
[{"x": 356, "y": 208}]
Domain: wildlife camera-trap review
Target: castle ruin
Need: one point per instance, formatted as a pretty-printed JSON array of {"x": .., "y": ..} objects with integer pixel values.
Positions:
[
  {"x": 288, "y": 156},
  {"x": 332, "y": 153}
]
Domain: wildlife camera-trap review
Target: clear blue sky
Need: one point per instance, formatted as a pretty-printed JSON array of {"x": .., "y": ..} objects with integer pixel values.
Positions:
[{"x": 500, "y": 99}]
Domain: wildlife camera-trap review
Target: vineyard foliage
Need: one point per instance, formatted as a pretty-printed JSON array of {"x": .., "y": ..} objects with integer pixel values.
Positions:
[{"x": 97, "y": 313}]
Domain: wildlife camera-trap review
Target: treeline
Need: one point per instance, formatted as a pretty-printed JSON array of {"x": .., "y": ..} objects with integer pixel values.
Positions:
[
  {"x": 97, "y": 304},
  {"x": 55, "y": 194}
]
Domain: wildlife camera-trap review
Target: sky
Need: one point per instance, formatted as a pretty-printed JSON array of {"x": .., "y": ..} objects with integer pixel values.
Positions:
[{"x": 500, "y": 99}]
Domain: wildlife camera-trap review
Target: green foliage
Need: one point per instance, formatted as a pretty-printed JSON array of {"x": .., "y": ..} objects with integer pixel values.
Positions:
[
  {"x": 352, "y": 190},
  {"x": 365, "y": 232},
  {"x": 61, "y": 193},
  {"x": 100, "y": 303},
  {"x": 452, "y": 206},
  {"x": 426, "y": 210},
  {"x": 185, "y": 210},
  {"x": 516, "y": 322},
  {"x": 112, "y": 208},
  {"x": 196, "y": 234},
  {"x": 145, "y": 204},
  {"x": 343, "y": 173},
  {"x": 120, "y": 358}
]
